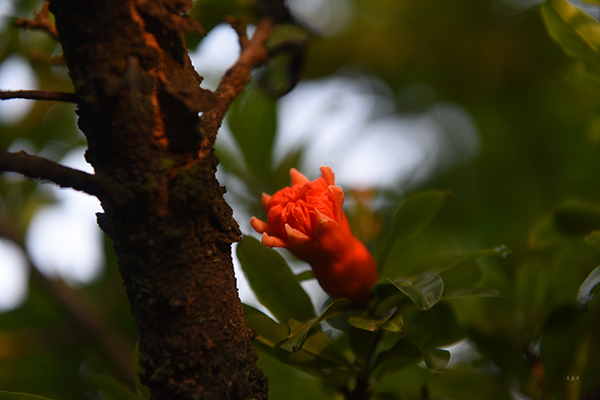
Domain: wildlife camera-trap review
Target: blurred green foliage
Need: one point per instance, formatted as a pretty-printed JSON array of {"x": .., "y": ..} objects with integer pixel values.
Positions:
[{"x": 527, "y": 76}]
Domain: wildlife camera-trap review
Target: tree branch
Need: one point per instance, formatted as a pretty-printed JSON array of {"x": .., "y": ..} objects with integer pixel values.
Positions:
[
  {"x": 39, "y": 95},
  {"x": 40, "y": 168},
  {"x": 254, "y": 54},
  {"x": 41, "y": 21}
]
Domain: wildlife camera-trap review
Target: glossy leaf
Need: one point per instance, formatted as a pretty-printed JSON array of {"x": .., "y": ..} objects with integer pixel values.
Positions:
[
  {"x": 575, "y": 30},
  {"x": 273, "y": 282},
  {"x": 589, "y": 288},
  {"x": 110, "y": 389},
  {"x": 413, "y": 215},
  {"x": 436, "y": 360},
  {"x": 395, "y": 324},
  {"x": 20, "y": 396},
  {"x": 425, "y": 294},
  {"x": 368, "y": 323},
  {"x": 252, "y": 119},
  {"x": 299, "y": 334}
]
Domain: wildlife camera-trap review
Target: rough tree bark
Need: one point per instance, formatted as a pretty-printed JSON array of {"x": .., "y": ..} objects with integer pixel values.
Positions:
[{"x": 139, "y": 104}]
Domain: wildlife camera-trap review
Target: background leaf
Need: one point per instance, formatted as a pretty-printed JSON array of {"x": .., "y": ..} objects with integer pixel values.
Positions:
[
  {"x": 436, "y": 359},
  {"x": 110, "y": 388},
  {"x": 425, "y": 293},
  {"x": 575, "y": 30},
  {"x": 273, "y": 282},
  {"x": 413, "y": 215},
  {"x": 589, "y": 288},
  {"x": 252, "y": 119},
  {"x": 20, "y": 396},
  {"x": 299, "y": 334}
]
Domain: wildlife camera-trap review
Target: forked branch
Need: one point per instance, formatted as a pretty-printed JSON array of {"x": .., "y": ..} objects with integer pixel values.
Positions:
[
  {"x": 41, "y": 21},
  {"x": 253, "y": 54}
]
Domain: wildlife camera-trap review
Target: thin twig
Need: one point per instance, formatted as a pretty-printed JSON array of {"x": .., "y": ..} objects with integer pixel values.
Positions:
[
  {"x": 254, "y": 54},
  {"x": 41, "y": 21},
  {"x": 39, "y": 95},
  {"x": 40, "y": 168}
]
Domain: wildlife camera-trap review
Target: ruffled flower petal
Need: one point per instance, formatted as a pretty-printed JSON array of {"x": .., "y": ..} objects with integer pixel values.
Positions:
[
  {"x": 258, "y": 225},
  {"x": 295, "y": 236},
  {"x": 272, "y": 241},
  {"x": 265, "y": 200},
  {"x": 298, "y": 177},
  {"x": 328, "y": 175},
  {"x": 307, "y": 218}
]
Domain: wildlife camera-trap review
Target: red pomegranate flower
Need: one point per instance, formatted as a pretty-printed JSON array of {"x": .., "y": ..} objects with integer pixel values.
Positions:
[{"x": 308, "y": 220}]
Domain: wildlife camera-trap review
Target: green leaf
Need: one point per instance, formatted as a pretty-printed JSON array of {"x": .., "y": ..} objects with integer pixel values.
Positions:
[
  {"x": 436, "y": 360},
  {"x": 252, "y": 119},
  {"x": 305, "y": 276},
  {"x": 425, "y": 293},
  {"x": 110, "y": 389},
  {"x": 413, "y": 215},
  {"x": 392, "y": 322},
  {"x": 593, "y": 239},
  {"x": 575, "y": 30},
  {"x": 366, "y": 323},
  {"x": 20, "y": 396},
  {"x": 361, "y": 343},
  {"x": 464, "y": 273},
  {"x": 435, "y": 328},
  {"x": 268, "y": 331},
  {"x": 589, "y": 288},
  {"x": 577, "y": 217},
  {"x": 273, "y": 282},
  {"x": 299, "y": 333},
  {"x": 472, "y": 292},
  {"x": 403, "y": 354},
  {"x": 143, "y": 391},
  {"x": 317, "y": 353}
]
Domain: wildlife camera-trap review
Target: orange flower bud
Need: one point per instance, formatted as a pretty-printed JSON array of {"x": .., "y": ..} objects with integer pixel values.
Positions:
[{"x": 308, "y": 220}]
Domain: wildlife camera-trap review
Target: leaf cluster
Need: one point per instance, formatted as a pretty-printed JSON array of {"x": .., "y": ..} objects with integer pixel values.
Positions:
[{"x": 407, "y": 321}]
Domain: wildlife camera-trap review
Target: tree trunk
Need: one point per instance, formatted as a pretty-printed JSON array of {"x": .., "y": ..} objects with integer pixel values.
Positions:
[{"x": 139, "y": 105}]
